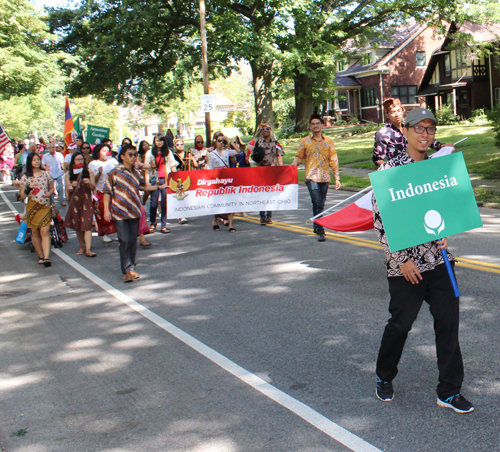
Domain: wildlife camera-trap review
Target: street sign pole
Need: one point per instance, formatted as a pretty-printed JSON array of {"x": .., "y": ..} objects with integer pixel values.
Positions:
[{"x": 204, "y": 65}]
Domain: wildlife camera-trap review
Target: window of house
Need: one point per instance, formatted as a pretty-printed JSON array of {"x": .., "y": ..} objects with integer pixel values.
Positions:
[
  {"x": 420, "y": 58},
  {"x": 368, "y": 97},
  {"x": 497, "y": 96},
  {"x": 340, "y": 65},
  {"x": 367, "y": 58},
  {"x": 496, "y": 60},
  {"x": 447, "y": 64},
  {"x": 342, "y": 101},
  {"x": 406, "y": 94},
  {"x": 461, "y": 57}
]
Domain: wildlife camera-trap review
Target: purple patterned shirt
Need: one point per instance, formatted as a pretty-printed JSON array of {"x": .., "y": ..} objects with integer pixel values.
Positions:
[{"x": 389, "y": 142}]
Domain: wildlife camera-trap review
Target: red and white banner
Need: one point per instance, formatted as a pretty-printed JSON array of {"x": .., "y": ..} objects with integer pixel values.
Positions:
[{"x": 230, "y": 190}]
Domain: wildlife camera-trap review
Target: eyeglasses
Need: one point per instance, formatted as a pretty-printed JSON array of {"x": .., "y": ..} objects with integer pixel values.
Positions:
[
  {"x": 316, "y": 123},
  {"x": 180, "y": 144},
  {"x": 265, "y": 128},
  {"x": 132, "y": 154},
  {"x": 222, "y": 141},
  {"x": 420, "y": 129},
  {"x": 79, "y": 159},
  {"x": 199, "y": 142}
]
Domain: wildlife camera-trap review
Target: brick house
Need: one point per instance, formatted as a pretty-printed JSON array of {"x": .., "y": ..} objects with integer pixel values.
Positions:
[
  {"x": 392, "y": 68},
  {"x": 461, "y": 78}
]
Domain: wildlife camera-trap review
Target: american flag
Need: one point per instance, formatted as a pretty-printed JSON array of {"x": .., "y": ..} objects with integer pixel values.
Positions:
[{"x": 4, "y": 139}]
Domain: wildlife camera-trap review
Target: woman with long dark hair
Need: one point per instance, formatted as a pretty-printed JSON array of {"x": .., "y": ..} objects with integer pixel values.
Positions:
[
  {"x": 38, "y": 186},
  {"x": 170, "y": 138},
  {"x": 162, "y": 163},
  {"x": 86, "y": 152},
  {"x": 79, "y": 185}
]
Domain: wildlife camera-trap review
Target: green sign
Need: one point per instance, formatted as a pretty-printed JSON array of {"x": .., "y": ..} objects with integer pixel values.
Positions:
[
  {"x": 425, "y": 201},
  {"x": 95, "y": 134}
]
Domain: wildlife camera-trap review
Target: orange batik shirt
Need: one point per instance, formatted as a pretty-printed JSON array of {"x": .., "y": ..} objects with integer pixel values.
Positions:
[{"x": 320, "y": 157}]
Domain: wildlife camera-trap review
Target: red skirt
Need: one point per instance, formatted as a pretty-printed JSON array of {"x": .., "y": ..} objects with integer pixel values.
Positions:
[{"x": 104, "y": 227}]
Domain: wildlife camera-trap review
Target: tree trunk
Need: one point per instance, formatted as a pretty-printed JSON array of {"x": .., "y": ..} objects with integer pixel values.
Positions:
[
  {"x": 262, "y": 80},
  {"x": 303, "y": 101}
]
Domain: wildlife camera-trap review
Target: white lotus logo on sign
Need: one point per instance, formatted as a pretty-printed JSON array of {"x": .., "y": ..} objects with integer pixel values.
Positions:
[{"x": 433, "y": 222}]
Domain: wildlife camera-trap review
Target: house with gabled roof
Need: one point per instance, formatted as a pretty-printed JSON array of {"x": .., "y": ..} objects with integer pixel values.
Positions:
[
  {"x": 461, "y": 78},
  {"x": 393, "y": 67}
]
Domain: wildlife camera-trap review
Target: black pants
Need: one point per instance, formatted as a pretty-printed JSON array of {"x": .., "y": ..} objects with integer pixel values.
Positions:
[
  {"x": 406, "y": 300},
  {"x": 264, "y": 214},
  {"x": 318, "y": 192},
  {"x": 127, "y": 231}
]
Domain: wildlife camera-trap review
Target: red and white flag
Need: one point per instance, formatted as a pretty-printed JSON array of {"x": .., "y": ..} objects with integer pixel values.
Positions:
[
  {"x": 358, "y": 216},
  {"x": 228, "y": 190},
  {"x": 4, "y": 139}
]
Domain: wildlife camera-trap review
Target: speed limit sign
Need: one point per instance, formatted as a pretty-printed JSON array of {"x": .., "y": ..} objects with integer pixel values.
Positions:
[{"x": 207, "y": 103}]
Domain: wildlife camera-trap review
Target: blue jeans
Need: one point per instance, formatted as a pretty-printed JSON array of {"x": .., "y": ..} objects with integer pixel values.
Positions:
[
  {"x": 60, "y": 188},
  {"x": 154, "y": 204},
  {"x": 318, "y": 191}
]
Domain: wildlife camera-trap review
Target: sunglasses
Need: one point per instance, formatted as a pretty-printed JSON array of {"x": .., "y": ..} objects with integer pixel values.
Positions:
[
  {"x": 180, "y": 144},
  {"x": 265, "y": 128},
  {"x": 86, "y": 147},
  {"x": 132, "y": 154},
  {"x": 222, "y": 141},
  {"x": 199, "y": 142}
]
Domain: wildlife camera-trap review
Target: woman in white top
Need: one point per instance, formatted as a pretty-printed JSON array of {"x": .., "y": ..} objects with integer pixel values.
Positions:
[
  {"x": 161, "y": 163},
  {"x": 220, "y": 158},
  {"x": 100, "y": 166}
]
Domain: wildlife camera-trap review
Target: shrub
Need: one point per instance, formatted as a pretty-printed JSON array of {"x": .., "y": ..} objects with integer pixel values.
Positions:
[
  {"x": 479, "y": 117},
  {"x": 445, "y": 115},
  {"x": 352, "y": 120},
  {"x": 494, "y": 118}
]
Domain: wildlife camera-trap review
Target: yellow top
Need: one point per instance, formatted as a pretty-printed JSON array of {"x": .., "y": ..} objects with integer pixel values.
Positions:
[{"x": 320, "y": 156}]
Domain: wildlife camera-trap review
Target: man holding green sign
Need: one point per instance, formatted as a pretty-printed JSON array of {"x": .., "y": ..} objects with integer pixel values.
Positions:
[{"x": 417, "y": 207}]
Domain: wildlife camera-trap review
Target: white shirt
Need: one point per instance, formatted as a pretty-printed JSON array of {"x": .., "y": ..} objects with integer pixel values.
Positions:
[
  {"x": 170, "y": 162},
  {"x": 53, "y": 163},
  {"x": 220, "y": 161},
  {"x": 106, "y": 166}
]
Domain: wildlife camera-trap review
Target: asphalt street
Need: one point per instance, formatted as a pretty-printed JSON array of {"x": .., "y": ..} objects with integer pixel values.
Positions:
[{"x": 260, "y": 341}]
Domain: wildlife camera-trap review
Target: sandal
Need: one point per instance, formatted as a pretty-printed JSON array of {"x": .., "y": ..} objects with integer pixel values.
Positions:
[
  {"x": 80, "y": 251},
  {"x": 145, "y": 243},
  {"x": 232, "y": 230},
  {"x": 89, "y": 253},
  {"x": 152, "y": 228},
  {"x": 216, "y": 227},
  {"x": 47, "y": 262},
  {"x": 165, "y": 230},
  {"x": 40, "y": 260}
]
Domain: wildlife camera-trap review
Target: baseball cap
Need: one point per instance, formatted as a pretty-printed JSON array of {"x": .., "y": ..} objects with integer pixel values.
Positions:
[
  {"x": 79, "y": 137},
  {"x": 419, "y": 114}
]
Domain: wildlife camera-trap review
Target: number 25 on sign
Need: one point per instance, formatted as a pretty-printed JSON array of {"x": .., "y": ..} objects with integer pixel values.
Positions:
[{"x": 207, "y": 103}]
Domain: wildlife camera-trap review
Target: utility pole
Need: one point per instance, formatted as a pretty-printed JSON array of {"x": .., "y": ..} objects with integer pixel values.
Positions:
[{"x": 204, "y": 66}]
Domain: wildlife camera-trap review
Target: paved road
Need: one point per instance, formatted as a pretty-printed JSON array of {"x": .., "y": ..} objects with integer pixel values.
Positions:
[{"x": 259, "y": 341}]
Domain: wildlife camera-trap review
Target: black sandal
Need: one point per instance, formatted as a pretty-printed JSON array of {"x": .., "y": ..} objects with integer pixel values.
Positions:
[
  {"x": 216, "y": 227},
  {"x": 47, "y": 262},
  {"x": 40, "y": 260},
  {"x": 232, "y": 230}
]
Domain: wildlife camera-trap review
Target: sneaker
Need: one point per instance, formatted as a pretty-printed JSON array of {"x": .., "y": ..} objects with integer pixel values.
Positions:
[
  {"x": 384, "y": 391},
  {"x": 321, "y": 237},
  {"x": 457, "y": 403},
  {"x": 107, "y": 239},
  {"x": 263, "y": 221},
  {"x": 182, "y": 221}
]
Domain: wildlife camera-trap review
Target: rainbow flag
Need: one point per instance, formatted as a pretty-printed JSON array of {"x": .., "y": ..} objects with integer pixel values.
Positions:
[{"x": 69, "y": 129}]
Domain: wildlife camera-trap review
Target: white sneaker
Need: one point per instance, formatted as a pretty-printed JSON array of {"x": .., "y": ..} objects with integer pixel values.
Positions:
[{"x": 107, "y": 239}]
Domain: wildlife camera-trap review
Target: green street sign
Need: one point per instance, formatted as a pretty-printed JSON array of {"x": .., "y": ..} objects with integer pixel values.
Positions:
[
  {"x": 425, "y": 201},
  {"x": 95, "y": 134}
]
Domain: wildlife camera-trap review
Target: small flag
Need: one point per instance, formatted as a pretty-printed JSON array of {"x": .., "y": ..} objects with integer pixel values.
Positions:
[
  {"x": 69, "y": 129},
  {"x": 4, "y": 139},
  {"x": 358, "y": 216}
]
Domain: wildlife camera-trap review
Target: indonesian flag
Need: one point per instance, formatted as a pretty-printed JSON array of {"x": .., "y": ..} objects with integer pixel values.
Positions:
[
  {"x": 69, "y": 128},
  {"x": 358, "y": 216}
]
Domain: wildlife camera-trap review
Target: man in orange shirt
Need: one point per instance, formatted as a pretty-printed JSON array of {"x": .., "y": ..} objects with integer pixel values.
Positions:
[{"x": 320, "y": 156}]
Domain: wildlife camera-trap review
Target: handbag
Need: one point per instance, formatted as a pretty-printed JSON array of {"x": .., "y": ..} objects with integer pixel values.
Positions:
[
  {"x": 54, "y": 211},
  {"x": 143, "y": 223},
  {"x": 22, "y": 232}
]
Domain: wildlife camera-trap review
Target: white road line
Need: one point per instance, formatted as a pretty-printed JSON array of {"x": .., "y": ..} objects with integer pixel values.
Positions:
[{"x": 317, "y": 420}]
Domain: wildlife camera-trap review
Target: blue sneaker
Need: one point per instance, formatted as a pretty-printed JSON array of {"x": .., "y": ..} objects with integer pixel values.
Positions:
[
  {"x": 384, "y": 391},
  {"x": 457, "y": 403}
]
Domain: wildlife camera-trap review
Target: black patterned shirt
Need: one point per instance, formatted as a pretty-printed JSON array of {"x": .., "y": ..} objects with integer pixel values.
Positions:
[{"x": 426, "y": 256}]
